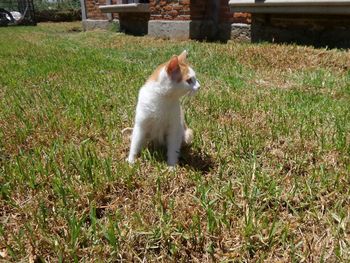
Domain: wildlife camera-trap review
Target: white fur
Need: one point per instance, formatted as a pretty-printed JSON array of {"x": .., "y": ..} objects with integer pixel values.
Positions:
[{"x": 159, "y": 116}]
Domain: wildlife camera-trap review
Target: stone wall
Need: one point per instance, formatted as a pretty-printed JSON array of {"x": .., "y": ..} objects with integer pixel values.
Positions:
[
  {"x": 170, "y": 9},
  {"x": 181, "y": 19},
  {"x": 92, "y": 10},
  {"x": 176, "y": 10},
  {"x": 244, "y": 18}
]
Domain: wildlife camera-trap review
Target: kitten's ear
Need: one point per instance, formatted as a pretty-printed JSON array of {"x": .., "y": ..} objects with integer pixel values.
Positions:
[
  {"x": 173, "y": 68},
  {"x": 183, "y": 56}
]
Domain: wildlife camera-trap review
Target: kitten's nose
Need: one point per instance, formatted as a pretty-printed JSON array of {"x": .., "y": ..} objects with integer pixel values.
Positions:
[
  {"x": 196, "y": 88},
  {"x": 198, "y": 85}
]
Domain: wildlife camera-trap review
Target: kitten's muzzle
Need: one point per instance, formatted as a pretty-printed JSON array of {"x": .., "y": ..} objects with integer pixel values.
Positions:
[{"x": 196, "y": 86}]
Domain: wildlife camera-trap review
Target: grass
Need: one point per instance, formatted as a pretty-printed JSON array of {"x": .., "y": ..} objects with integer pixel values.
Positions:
[{"x": 266, "y": 179}]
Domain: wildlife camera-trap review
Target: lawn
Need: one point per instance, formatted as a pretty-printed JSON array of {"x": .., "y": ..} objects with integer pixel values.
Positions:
[{"x": 266, "y": 179}]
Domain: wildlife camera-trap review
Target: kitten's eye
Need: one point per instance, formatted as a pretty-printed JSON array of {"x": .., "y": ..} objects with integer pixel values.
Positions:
[{"x": 189, "y": 81}]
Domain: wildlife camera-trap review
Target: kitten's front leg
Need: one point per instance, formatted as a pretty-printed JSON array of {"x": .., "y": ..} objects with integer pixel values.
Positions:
[
  {"x": 174, "y": 140},
  {"x": 137, "y": 140}
]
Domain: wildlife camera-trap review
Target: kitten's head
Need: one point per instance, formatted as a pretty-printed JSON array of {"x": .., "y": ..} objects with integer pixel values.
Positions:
[
  {"x": 181, "y": 75},
  {"x": 177, "y": 76}
]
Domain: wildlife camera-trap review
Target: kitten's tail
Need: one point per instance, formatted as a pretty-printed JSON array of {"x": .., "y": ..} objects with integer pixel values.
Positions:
[
  {"x": 188, "y": 136},
  {"x": 127, "y": 131}
]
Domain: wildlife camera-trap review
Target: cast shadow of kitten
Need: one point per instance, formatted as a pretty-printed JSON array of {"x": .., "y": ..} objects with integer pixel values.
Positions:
[{"x": 189, "y": 157}]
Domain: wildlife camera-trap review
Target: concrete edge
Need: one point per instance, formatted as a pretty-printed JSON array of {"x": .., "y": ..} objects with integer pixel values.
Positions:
[
  {"x": 180, "y": 30},
  {"x": 241, "y": 32},
  {"x": 189, "y": 29},
  {"x": 169, "y": 29},
  {"x": 198, "y": 29}
]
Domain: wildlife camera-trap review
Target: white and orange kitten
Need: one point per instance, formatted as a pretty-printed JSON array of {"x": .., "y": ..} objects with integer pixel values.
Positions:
[{"x": 159, "y": 117}]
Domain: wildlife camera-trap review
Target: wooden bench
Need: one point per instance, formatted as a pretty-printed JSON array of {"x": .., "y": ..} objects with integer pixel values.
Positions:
[
  {"x": 125, "y": 8},
  {"x": 329, "y": 7}
]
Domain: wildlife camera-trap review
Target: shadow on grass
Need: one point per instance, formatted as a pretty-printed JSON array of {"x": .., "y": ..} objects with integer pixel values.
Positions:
[
  {"x": 196, "y": 160},
  {"x": 190, "y": 157}
]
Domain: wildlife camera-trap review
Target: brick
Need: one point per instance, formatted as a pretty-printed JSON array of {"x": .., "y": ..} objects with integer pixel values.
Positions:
[
  {"x": 173, "y": 13},
  {"x": 184, "y": 2},
  {"x": 186, "y": 13},
  {"x": 168, "y": 8},
  {"x": 178, "y": 7}
]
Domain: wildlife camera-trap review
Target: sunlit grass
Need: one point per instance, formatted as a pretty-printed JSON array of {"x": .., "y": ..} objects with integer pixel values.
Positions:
[{"x": 266, "y": 179}]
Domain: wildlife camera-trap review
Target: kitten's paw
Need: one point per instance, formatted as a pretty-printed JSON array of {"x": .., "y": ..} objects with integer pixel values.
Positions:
[
  {"x": 130, "y": 160},
  {"x": 172, "y": 168},
  {"x": 188, "y": 138}
]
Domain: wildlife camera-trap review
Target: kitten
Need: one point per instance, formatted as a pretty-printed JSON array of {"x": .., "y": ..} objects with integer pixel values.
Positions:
[{"x": 159, "y": 117}]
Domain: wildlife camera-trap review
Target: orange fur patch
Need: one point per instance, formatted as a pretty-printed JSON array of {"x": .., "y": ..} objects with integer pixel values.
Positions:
[
  {"x": 184, "y": 68},
  {"x": 155, "y": 74}
]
